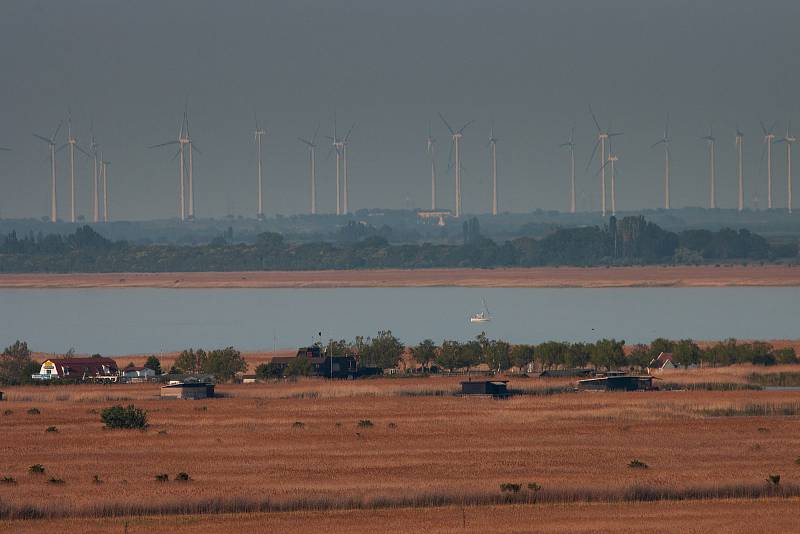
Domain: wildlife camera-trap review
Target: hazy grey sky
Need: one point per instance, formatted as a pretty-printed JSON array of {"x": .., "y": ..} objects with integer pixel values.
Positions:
[{"x": 532, "y": 67}]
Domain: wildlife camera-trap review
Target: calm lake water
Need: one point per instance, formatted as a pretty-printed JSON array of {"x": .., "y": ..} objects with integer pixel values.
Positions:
[{"x": 124, "y": 321}]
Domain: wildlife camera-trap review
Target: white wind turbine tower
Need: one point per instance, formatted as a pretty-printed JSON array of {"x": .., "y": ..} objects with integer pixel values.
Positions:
[
  {"x": 602, "y": 136},
  {"x": 431, "y": 142},
  {"x": 493, "y": 151},
  {"x": 258, "y": 133},
  {"x": 612, "y": 159},
  {"x": 455, "y": 147},
  {"x": 739, "y": 143},
  {"x": 72, "y": 143},
  {"x": 180, "y": 141},
  {"x": 104, "y": 168},
  {"x": 769, "y": 137},
  {"x": 789, "y": 139},
  {"x": 346, "y": 184},
  {"x": 192, "y": 148},
  {"x": 665, "y": 141},
  {"x": 93, "y": 148},
  {"x": 51, "y": 142},
  {"x": 571, "y": 145},
  {"x": 712, "y": 192},
  {"x": 336, "y": 145},
  {"x": 312, "y": 147}
]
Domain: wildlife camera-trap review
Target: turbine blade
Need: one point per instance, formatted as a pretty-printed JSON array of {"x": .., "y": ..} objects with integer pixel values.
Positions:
[
  {"x": 309, "y": 143},
  {"x": 46, "y": 140},
  {"x": 465, "y": 126},
  {"x": 81, "y": 150},
  {"x": 591, "y": 158},
  {"x": 164, "y": 144},
  {"x": 195, "y": 149},
  {"x": 314, "y": 139},
  {"x": 58, "y": 129},
  {"x": 347, "y": 136},
  {"x": 615, "y": 134},
  {"x": 62, "y": 147},
  {"x": 594, "y": 119},
  {"x": 452, "y": 132},
  {"x": 658, "y": 143}
]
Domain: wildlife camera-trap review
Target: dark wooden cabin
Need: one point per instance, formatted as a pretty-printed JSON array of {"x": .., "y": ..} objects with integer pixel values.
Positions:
[{"x": 493, "y": 388}]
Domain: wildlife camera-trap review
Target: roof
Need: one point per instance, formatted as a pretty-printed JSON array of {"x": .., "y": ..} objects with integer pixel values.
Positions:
[
  {"x": 495, "y": 382},
  {"x": 82, "y": 366},
  {"x": 188, "y": 385},
  {"x": 663, "y": 360},
  {"x": 135, "y": 368},
  {"x": 82, "y": 361}
]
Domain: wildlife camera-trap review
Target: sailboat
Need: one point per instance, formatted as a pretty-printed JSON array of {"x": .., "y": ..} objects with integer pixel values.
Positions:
[{"x": 481, "y": 317}]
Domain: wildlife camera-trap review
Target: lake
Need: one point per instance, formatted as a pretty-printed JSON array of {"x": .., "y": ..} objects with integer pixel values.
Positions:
[{"x": 126, "y": 321}]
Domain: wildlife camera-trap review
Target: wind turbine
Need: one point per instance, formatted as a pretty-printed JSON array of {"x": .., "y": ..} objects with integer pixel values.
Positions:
[
  {"x": 665, "y": 141},
  {"x": 739, "y": 143},
  {"x": 431, "y": 154},
  {"x": 312, "y": 146},
  {"x": 768, "y": 140},
  {"x": 571, "y": 145},
  {"x": 789, "y": 139},
  {"x": 188, "y": 141},
  {"x": 93, "y": 147},
  {"x": 72, "y": 143},
  {"x": 181, "y": 140},
  {"x": 493, "y": 151},
  {"x": 51, "y": 142},
  {"x": 602, "y": 136},
  {"x": 258, "y": 133},
  {"x": 336, "y": 145},
  {"x": 712, "y": 193},
  {"x": 455, "y": 148}
]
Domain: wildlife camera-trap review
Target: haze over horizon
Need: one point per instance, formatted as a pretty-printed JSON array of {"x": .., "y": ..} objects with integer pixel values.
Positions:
[{"x": 390, "y": 67}]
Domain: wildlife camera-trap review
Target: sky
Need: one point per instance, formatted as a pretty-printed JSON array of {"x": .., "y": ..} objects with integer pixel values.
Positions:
[{"x": 530, "y": 68}]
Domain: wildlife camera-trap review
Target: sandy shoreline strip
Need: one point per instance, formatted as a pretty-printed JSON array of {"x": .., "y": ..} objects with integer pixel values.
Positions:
[{"x": 683, "y": 276}]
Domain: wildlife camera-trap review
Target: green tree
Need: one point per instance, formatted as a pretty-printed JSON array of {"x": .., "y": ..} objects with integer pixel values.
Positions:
[
  {"x": 224, "y": 363},
  {"x": 639, "y": 357},
  {"x": 522, "y": 355},
  {"x": 608, "y": 354},
  {"x": 785, "y": 355},
  {"x": 191, "y": 361},
  {"x": 659, "y": 345},
  {"x": 578, "y": 355},
  {"x": 300, "y": 366},
  {"x": 16, "y": 364},
  {"x": 153, "y": 363},
  {"x": 450, "y": 355},
  {"x": 269, "y": 370},
  {"x": 424, "y": 353},
  {"x": 384, "y": 350},
  {"x": 497, "y": 355},
  {"x": 686, "y": 353}
]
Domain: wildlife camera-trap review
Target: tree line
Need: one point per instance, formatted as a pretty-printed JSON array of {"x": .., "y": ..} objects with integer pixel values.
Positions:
[{"x": 629, "y": 241}]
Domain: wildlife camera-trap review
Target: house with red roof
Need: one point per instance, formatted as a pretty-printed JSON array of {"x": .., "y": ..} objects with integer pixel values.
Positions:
[{"x": 70, "y": 368}]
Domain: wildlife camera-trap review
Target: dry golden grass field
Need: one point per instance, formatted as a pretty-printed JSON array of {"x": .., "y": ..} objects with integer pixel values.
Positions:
[{"x": 287, "y": 456}]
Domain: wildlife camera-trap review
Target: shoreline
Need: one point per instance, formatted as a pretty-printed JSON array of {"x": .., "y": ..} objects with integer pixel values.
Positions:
[{"x": 535, "y": 277}]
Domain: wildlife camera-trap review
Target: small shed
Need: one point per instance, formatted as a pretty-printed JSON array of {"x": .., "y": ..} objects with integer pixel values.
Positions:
[
  {"x": 617, "y": 383},
  {"x": 187, "y": 390},
  {"x": 493, "y": 388}
]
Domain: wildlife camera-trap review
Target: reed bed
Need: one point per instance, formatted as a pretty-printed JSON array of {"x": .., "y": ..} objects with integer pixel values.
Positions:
[{"x": 238, "y": 505}]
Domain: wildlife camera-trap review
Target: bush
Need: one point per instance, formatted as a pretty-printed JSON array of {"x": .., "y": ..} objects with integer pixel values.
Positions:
[
  {"x": 8, "y": 480},
  {"x": 183, "y": 477},
  {"x": 34, "y": 411},
  {"x": 36, "y": 469},
  {"x": 8, "y": 412},
  {"x": 637, "y": 464},
  {"x": 298, "y": 424},
  {"x": 120, "y": 417},
  {"x": 54, "y": 480},
  {"x": 97, "y": 480},
  {"x": 163, "y": 477},
  {"x": 365, "y": 423},
  {"x": 774, "y": 480},
  {"x": 51, "y": 429},
  {"x": 509, "y": 487}
]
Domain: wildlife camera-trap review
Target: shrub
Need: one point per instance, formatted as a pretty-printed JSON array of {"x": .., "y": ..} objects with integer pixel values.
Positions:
[
  {"x": 392, "y": 425},
  {"x": 34, "y": 411},
  {"x": 51, "y": 429},
  {"x": 298, "y": 424},
  {"x": 183, "y": 477},
  {"x": 54, "y": 480},
  {"x": 36, "y": 469},
  {"x": 120, "y": 417},
  {"x": 8, "y": 480},
  {"x": 365, "y": 423},
  {"x": 97, "y": 480},
  {"x": 509, "y": 487},
  {"x": 774, "y": 480},
  {"x": 534, "y": 487},
  {"x": 637, "y": 464},
  {"x": 8, "y": 412},
  {"x": 163, "y": 477}
]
